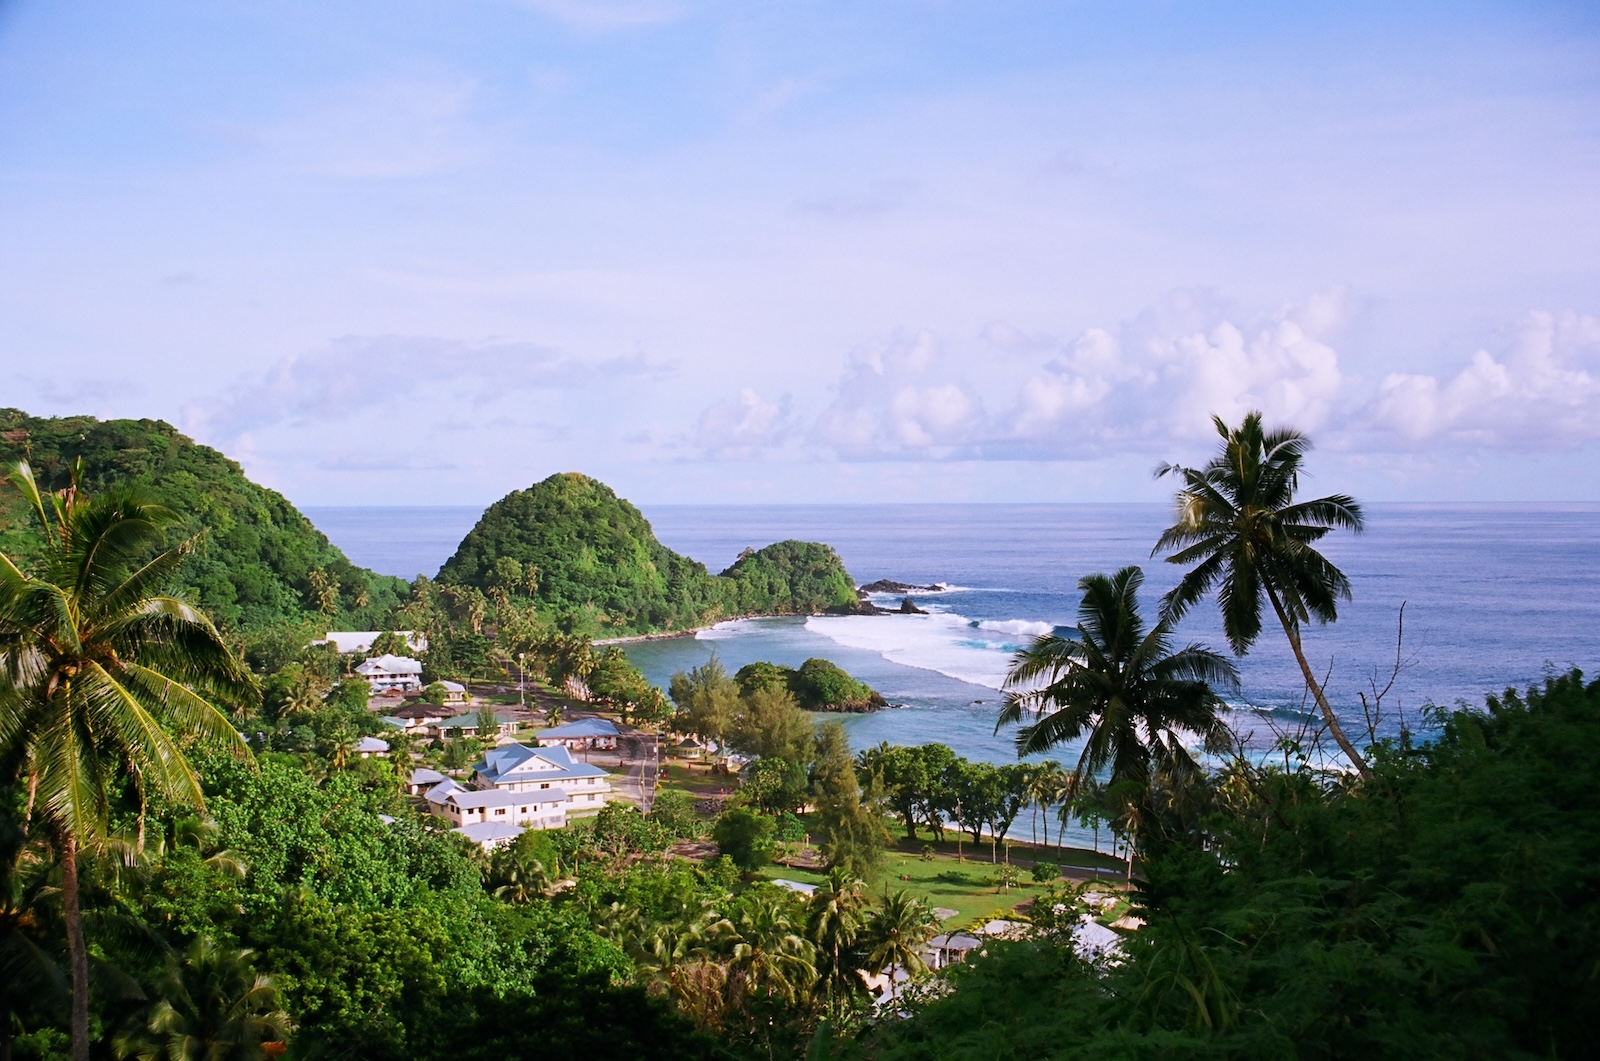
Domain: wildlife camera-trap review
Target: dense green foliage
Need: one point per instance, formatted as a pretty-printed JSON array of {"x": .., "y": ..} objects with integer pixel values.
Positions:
[
  {"x": 1450, "y": 907},
  {"x": 589, "y": 558},
  {"x": 817, "y": 685},
  {"x": 258, "y": 562}
]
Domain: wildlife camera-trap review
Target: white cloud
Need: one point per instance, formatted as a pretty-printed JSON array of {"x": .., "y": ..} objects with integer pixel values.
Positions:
[
  {"x": 1544, "y": 394},
  {"x": 898, "y": 399},
  {"x": 1156, "y": 382},
  {"x": 1159, "y": 379},
  {"x": 738, "y": 428}
]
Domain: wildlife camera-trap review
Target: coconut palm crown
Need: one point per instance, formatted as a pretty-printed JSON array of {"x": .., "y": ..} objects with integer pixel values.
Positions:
[
  {"x": 1250, "y": 541},
  {"x": 1118, "y": 685},
  {"x": 102, "y": 675}
]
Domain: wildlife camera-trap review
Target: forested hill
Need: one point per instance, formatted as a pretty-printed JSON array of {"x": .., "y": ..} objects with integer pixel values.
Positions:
[
  {"x": 577, "y": 550},
  {"x": 259, "y": 561}
]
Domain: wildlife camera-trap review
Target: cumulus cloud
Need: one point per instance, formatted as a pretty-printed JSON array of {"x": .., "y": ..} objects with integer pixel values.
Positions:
[
  {"x": 359, "y": 374},
  {"x": 1543, "y": 394},
  {"x": 740, "y": 427},
  {"x": 1157, "y": 380},
  {"x": 899, "y": 398}
]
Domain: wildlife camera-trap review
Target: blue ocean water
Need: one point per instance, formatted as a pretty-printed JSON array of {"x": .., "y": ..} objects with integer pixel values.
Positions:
[{"x": 1494, "y": 596}]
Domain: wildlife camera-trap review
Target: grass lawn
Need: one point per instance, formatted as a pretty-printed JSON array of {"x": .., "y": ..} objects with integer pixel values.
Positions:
[
  {"x": 695, "y": 778},
  {"x": 966, "y": 887}
]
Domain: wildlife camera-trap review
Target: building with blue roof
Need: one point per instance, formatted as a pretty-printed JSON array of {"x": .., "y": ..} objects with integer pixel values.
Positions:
[
  {"x": 584, "y": 733},
  {"x": 519, "y": 768}
]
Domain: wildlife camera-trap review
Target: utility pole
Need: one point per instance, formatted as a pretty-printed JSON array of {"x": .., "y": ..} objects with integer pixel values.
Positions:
[{"x": 522, "y": 682}]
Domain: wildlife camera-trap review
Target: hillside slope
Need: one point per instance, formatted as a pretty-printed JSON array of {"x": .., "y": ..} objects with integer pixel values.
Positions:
[
  {"x": 576, "y": 549},
  {"x": 259, "y": 561}
]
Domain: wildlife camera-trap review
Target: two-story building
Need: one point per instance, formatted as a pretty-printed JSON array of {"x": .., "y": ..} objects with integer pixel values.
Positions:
[
  {"x": 491, "y": 817},
  {"x": 519, "y": 768},
  {"x": 392, "y": 673}
]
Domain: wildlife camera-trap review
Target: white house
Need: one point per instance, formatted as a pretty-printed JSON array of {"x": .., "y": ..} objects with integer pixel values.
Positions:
[
  {"x": 466, "y": 725},
  {"x": 367, "y": 747},
  {"x": 467, "y": 807},
  {"x": 422, "y": 779},
  {"x": 584, "y": 733},
  {"x": 490, "y": 835},
  {"x": 454, "y": 692},
  {"x": 519, "y": 768},
  {"x": 415, "y": 718},
  {"x": 385, "y": 673},
  {"x": 351, "y": 641}
]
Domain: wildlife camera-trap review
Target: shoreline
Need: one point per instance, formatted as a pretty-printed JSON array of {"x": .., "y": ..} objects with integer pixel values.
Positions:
[{"x": 668, "y": 635}]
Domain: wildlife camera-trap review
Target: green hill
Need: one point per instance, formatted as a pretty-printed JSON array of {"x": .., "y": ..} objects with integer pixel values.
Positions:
[
  {"x": 576, "y": 549},
  {"x": 259, "y": 561}
]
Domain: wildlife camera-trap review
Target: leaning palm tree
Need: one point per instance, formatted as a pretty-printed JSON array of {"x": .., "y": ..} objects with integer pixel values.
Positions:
[
  {"x": 1249, "y": 539},
  {"x": 101, "y": 676},
  {"x": 835, "y": 919},
  {"x": 211, "y": 1006},
  {"x": 1120, "y": 687},
  {"x": 896, "y": 933}
]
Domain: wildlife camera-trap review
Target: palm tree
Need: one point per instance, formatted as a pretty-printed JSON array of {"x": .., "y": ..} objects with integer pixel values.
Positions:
[
  {"x": 1041, "y": 790},
  {"x": 896, "y": 933},
  {"x": 212, "y": 1006},
  {"x": 101, "y": 676},
  {"x": 1247, "y": 537},
  {"x": 766, "y": 951},
  {"x": 834, "y": 920},
  {"x": 525, "y": 881},
  {"x": 1120, "y": 687}
]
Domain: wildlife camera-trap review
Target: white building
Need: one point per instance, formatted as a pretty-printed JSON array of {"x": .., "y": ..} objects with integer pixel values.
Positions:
[
  {"x": 386, "y": 673},
  {"x": 476, "y": 807},
  {"x": 515, "y": 788},
  {"x": 519, "y": 768}
]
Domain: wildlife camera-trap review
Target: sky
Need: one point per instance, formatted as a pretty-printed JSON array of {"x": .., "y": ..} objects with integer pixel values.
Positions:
[{"x": 430, "y": 251}]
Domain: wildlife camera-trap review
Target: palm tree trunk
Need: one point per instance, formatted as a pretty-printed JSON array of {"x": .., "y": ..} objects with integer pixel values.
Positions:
[
  {"x": 1293, "y": 633},
  {"x": 78, "y": 955}
]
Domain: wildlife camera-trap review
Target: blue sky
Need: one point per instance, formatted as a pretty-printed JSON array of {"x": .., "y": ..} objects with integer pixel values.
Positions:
[{"x": 429, "y": 252}]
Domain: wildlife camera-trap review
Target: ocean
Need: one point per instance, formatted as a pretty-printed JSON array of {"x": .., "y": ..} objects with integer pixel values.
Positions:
[{"x": 1495, "y": 597}]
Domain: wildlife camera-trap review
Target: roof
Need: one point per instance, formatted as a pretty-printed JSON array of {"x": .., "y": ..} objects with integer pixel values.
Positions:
[
  {"x": 390, "y": 665},
  {"x": 423, "y": 776},
  {"x": 481, "y": 798},
  {"x": 583, "y": 727},
  {"x": 347, "y": 641},
  {"x": 417, "y": 712},
  {"x": 489, "y": 832},
  {"x": 470, "y": 718},
  {"x": 449, "y": 686},
  {"x": 1092, "y": 939},
  {"x": 511, "y": 762},
  {"x": 958, "y": 941},
  {"x": 795, "y": 886},
  {"x": 392, "y": 722},
  {"x": 372, "y": 745},
  {"x": 441, "y": 792}
]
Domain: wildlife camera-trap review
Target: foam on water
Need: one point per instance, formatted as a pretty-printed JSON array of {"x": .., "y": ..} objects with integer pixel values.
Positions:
[{"x": 977, "y": 652}]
